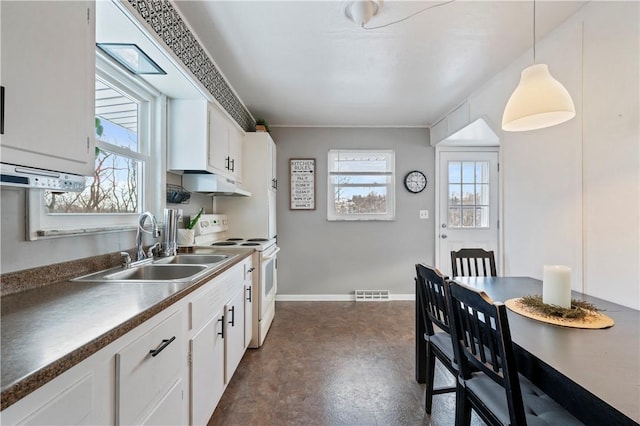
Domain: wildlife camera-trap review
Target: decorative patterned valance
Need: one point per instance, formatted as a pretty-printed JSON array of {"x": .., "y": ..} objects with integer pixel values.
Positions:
[{"x": 168, "y": 24}]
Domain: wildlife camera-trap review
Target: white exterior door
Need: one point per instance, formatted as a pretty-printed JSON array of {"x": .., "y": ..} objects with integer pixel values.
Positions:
[{"x": 467, "y": 204}]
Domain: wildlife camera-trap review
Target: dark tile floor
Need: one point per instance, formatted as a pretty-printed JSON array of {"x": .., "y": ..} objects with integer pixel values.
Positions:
[{"x": 334, "y": 363}]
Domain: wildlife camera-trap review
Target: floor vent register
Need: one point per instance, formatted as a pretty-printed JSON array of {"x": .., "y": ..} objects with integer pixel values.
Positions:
[{"x": 371, "y": 295}]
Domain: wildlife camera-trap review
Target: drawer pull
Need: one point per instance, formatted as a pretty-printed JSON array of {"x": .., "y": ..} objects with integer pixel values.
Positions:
[
  {"x": 221, "y": 332},
  {"x": 233, "y": 316},
  {"x": 165, "y": 343}
]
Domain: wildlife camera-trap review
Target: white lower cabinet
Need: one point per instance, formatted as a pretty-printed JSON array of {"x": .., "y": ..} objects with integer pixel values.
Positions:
[
  {"x": 146, "y": 372},
  {"x": 168, "y": 411},
  {"x": 72, "y": 407},
  {"x": 217, "y": 330},
  {"x": 207, "y": 369},
  {"x": 234, "y": 332},
  {"x": 249, "y": 270},
  {"x": 170, "y": 370}
]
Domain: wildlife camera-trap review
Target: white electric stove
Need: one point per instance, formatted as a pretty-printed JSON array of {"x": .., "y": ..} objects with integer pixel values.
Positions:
[{"x": 211, "y": 231}]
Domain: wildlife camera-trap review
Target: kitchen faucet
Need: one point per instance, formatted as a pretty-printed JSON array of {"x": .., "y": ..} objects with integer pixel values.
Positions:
[{"x": 155, "y": 231}]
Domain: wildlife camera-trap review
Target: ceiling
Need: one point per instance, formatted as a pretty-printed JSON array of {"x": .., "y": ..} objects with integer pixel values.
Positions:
[{"x": 303, "y": 63}]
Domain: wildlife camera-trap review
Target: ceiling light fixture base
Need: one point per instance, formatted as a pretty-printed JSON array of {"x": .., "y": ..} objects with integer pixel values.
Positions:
[{"x": 360, "y": 12}]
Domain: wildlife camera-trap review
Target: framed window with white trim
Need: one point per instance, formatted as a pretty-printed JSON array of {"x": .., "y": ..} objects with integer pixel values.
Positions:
[{"x": 361, "y": 185}]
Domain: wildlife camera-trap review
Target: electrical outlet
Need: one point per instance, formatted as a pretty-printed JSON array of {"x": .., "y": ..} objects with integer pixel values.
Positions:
[{"x": 424, "y": 214}]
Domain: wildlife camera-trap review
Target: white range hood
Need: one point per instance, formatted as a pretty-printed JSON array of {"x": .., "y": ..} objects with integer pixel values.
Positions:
[{"x": 212, "y": 185}]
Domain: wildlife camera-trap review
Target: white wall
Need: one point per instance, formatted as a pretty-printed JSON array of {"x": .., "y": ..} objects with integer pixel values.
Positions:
[
  {"x": 571, "y": 191},
  {"x": 322, "y": 259}
]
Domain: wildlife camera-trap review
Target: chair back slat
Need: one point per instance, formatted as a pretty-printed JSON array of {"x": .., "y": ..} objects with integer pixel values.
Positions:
[
  {"x": 482, "y": 340},
  {"x": 473, "y": 262},
  {"x": 431, "y": 286}
]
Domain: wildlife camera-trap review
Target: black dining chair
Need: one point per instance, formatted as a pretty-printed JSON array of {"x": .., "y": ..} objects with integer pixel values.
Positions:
[
  {"x": 473, "y": 262},
  {"x": 431, "y": 294},
  {"x": 489, "y": 382}
]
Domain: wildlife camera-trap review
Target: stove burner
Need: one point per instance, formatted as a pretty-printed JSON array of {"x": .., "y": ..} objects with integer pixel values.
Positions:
[
  {"x": 250, "y": 244},
  {"x": 258, "y": 239},
  {"x": 224, "y": 243},
  {"x": 235, "y": 239}
]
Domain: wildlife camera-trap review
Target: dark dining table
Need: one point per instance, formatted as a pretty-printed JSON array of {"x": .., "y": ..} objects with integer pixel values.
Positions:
[{"x": 593, "y": 373}]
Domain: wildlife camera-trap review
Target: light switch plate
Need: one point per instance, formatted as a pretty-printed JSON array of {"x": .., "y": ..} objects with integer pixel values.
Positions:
[{"x": 424, "y": 214}]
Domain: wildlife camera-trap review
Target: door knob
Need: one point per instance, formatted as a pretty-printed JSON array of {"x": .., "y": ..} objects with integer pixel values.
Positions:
[{"x": 443, "y": 236}]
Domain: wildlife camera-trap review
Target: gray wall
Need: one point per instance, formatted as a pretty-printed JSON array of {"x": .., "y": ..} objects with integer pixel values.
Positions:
[{"x": 319, "y": 257}]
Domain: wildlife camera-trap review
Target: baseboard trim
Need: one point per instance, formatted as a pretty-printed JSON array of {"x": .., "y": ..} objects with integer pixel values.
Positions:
[{"x": 333, "y": 297}]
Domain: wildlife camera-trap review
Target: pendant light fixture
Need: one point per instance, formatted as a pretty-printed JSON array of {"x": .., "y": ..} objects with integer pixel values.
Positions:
[{"x": 539, "y": 101}]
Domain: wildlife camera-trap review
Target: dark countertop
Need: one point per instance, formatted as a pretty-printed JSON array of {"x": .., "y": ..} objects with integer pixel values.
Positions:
[
  {"x": 46, "y": 331},
  {"x": 601, "y": 366}
]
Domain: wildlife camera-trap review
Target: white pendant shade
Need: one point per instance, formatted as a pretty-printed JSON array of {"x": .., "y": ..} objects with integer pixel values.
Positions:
[{"x": 539, "y": 101}]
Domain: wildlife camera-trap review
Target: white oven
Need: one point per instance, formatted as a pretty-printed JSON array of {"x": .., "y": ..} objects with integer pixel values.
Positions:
[{"x": 265, "y": 309}]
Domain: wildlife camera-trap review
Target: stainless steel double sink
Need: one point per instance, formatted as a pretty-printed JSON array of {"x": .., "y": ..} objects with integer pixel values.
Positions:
[{"x": 179, "y": 268}]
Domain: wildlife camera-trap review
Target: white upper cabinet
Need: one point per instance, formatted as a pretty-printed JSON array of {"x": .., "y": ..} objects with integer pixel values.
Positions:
[
  {"x": 235, "y": 152},
  {"x": 188, "y": 144},
  {"x": 203, "y": 138},
  {"x": 226, "y": 146},
  {"x": 255, "y": 215},
  {"x": 48, "y": 75}
]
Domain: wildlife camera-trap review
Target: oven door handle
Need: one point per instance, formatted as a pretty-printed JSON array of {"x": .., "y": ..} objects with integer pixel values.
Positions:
[{"x": 270, "y": 254}]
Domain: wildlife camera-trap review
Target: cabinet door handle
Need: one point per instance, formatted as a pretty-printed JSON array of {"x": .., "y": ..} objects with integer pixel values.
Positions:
[
  {"x": 233, "y": 316},
  {"x": 221, "y": 332},
  {"x": 226, "y": 162},
  {"x": 249, "y": 290},
  {"x": 165, "y": 343},
  {"x": 233, "y": 164},
  {"x": 1, "y": 110}
]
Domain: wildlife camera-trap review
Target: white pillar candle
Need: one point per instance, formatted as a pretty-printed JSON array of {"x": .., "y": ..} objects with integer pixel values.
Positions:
[{"x": 556, "y": 285}]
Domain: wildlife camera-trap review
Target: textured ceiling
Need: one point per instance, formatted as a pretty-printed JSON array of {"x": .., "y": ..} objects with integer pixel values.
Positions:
[{"x": 303, "y": 63}]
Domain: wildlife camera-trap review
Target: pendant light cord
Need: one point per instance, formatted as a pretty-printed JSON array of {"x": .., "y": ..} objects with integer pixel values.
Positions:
[
  {"x": 410, "y": 16},
  {"x": 534, "y": 32}
]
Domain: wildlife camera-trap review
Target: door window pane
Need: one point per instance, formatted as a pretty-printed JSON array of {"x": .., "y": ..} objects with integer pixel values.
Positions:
[
  {"x": 455, "y": 172},
  {"x": 482, "y": 194},
  {"x": 482, "y": 217},
  {"x": 455, "y": 198},
  {"x": 468, "y": 195},
  {"x": 482, "y": 172},
  {"x": 454, "y": 217},
  {"x": 468, "y": 217},
  {"x": 469, "y": 186},
  {"x": 468, "y": 172}
]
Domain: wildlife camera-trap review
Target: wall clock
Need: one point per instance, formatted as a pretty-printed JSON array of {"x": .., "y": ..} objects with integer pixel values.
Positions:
[{"x": 415, "y": 181}]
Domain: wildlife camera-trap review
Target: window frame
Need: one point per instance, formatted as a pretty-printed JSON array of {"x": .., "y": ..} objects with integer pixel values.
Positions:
[
  {"x": 151, "y": 137},
  {"x": 390, "y": 215}
]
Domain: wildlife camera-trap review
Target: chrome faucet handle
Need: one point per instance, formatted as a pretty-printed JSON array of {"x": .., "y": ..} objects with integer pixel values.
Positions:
[
  {"x": 150, "y": 254},
  {"x": 126, "y": 259}
]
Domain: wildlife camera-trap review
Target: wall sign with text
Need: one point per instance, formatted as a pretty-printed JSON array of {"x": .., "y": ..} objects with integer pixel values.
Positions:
[{"x": 302, "y": 178}]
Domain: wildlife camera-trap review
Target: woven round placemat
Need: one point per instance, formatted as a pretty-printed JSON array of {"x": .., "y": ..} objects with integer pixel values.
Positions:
[{"x": 594, "y": 319}]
